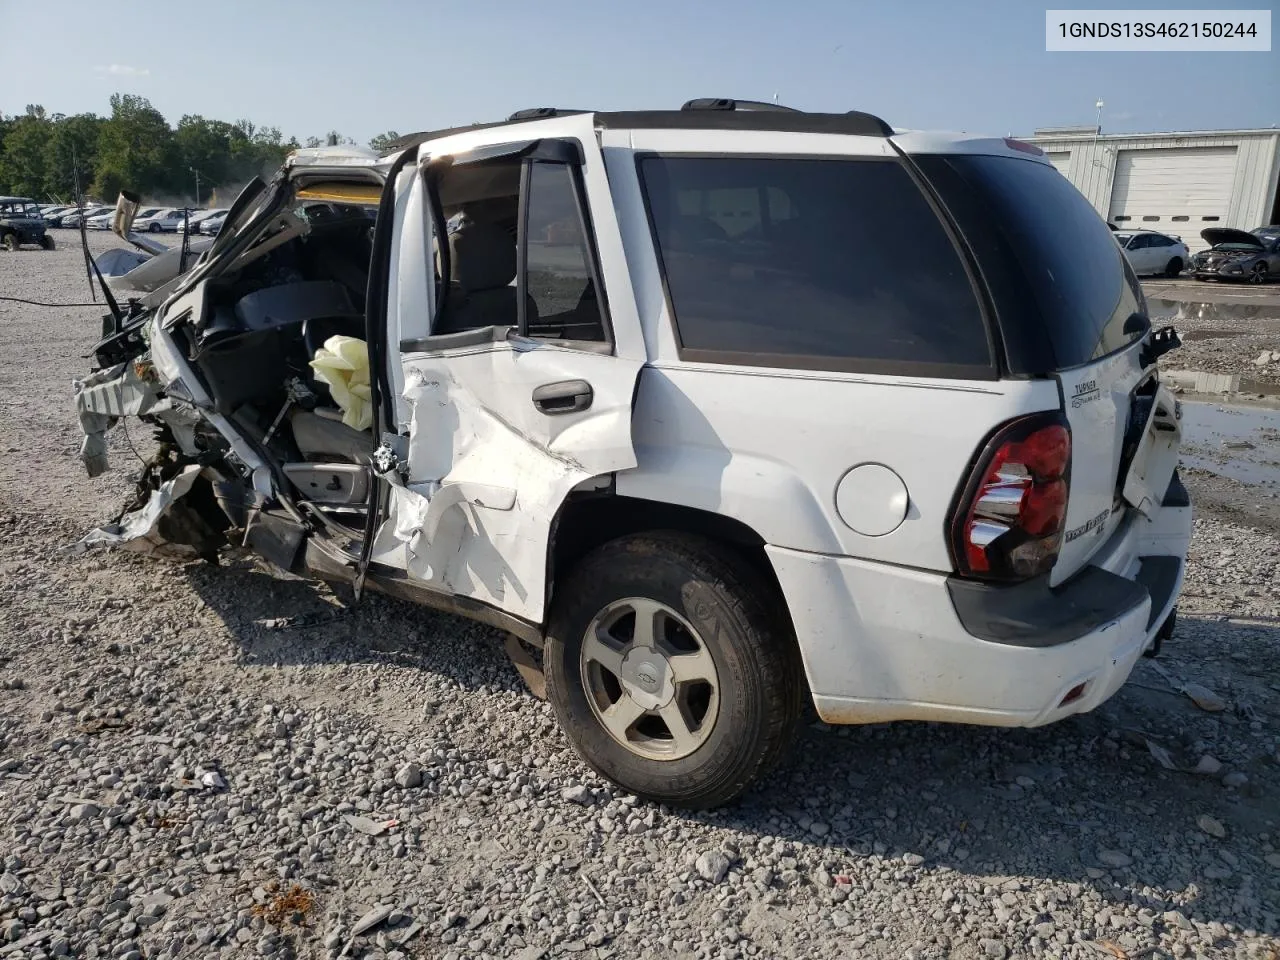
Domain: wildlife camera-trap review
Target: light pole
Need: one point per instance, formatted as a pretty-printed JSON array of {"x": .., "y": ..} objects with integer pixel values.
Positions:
[{"x": 197, "y": 173}]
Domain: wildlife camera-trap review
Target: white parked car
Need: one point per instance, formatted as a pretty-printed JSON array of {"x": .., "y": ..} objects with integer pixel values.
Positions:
[
  {"x": 161, "y": 220},
  {"x": 101, "y": 220},
  {"x": 200, "y": 216},
  {"x": 212, "y": 225},
  {"x": 71, "y": 217},
  {"x": 671, "y": 406},
  {"x": 1150, "y": 252}
]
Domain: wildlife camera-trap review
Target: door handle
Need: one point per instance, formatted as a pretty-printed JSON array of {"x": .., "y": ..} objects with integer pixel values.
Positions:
[{"x": 564, "y": 396}]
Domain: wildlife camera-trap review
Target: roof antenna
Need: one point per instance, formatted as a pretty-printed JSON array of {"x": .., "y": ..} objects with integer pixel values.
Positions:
[{"x": 775, "y": 97}]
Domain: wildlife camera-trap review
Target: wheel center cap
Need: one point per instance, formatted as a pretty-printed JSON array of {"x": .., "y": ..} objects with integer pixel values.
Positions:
[{"x": 646, "y": 677}]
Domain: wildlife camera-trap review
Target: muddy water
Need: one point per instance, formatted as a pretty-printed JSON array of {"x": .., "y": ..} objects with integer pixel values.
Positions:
[
  {"x": 1221, "y": 321},
  {"x": 1242, "y": 443},
  {"x": 1207, "y": 314}
]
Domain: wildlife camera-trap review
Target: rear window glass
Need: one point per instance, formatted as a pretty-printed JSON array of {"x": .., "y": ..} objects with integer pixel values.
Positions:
[
  {"x": 821, "y": 264},
  {"x": 1066, "y": 256}
]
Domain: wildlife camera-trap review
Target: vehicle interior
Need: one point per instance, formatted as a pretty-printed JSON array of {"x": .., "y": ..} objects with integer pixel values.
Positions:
[
  {"x": 301, "y": 280},
  {"x": 303, "y": 277},
  {"x": 481, "y": 203}
]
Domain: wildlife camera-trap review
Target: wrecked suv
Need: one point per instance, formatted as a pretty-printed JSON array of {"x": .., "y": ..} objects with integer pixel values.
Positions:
[{"x": 711, "y": 410}]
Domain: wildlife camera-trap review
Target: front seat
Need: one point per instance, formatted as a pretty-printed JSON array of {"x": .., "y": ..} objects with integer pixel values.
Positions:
[{"x": 483, "y": 264}]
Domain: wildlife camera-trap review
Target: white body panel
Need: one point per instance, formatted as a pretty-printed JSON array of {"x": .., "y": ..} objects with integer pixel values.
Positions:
[
  {"x": 770, "y": 447},
  {"x": 883, "y": 643},
  {"x": 488, "y": 469}
]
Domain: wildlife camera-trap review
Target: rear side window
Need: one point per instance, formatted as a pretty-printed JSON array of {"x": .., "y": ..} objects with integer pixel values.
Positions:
[
  {"x": 812, "y": 263},
  {"x": 560, "y": 285},
  {"x": 1055, "y": 270}
]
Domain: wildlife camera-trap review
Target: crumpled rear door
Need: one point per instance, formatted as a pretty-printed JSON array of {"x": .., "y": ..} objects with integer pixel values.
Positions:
[{"x": 499, "y": 438}]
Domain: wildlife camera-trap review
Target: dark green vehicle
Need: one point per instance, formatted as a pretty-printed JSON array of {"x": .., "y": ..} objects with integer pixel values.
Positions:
[{"x": 20, "y": 223}]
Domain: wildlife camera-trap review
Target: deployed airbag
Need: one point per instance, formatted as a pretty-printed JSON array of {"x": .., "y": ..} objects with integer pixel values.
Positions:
[{"x": 343, "y": 364}]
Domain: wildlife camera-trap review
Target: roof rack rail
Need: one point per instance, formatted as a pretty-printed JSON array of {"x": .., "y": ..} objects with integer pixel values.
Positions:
[
  {"x": 727, "y": 103},
  {"x": 540, "y": 113}
]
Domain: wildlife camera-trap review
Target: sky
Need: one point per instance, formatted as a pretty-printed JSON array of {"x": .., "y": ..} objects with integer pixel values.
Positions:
[{"x": 363, "y": 67}]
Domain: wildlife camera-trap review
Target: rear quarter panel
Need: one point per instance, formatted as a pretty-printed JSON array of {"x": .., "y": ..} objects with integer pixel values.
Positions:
[{"x": 770, "y": 448}]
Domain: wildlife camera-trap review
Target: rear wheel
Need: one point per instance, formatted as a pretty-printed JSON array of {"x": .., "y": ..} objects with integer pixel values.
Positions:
[
  {"x": 671, "y": 670},
  {"x": 1258, "y": 274},
  {"x": 1173, "y": 267},
  {"x": 10, "y": 242}
]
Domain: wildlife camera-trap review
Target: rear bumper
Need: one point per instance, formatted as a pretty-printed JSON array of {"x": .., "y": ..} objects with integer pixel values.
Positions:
[{"x": 890, "y": 643}]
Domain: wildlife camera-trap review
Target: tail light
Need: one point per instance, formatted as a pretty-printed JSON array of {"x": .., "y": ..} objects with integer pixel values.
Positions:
[{"x": 1008, "y": 522}]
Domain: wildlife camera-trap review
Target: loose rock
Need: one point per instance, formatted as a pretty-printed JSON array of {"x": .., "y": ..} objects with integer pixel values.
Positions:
[
  {"x": 1211, "y": 826},
  {"x": 712, "y": 866}
]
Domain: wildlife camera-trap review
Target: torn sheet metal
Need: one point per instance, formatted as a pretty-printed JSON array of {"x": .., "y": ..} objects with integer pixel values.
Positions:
[
  {"x": 119, "y": 261},
  {"x": 458, "y": 517},
  {"x": 106, "y": 396},
  {"x": 139, "y": 528}
]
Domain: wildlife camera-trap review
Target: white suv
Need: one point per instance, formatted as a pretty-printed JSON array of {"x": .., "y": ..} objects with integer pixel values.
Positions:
[{"x": 711, "y": 410}]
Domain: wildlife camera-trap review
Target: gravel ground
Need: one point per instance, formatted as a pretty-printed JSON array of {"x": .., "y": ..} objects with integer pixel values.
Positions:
[
  {"x": 1226, "y": 334},
  {"x": 186, "y": 771}
]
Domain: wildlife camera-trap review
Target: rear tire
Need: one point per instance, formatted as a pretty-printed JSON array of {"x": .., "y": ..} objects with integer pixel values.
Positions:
[
  {"x": 1173, "y": 267},
  {"x": 704, "y": 606},
  {"x": 1258, "y": 274}
]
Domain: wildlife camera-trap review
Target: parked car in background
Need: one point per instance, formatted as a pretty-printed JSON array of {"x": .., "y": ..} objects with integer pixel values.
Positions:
[
  {"x": 20, "y": 222},
  {"x": 1238, "y": 255},
  {"x": 212, "y": 225},
  {"x": 48, "y": 213},
  {"x": 52, "y": 216},
  {"x": 71, "y": 219},
  {"x": 1150, "y": 252},
  {"x": 1267, "y": 232},
  {"x": 200, "y": 216},
  {"x": 163, "y": 220}
]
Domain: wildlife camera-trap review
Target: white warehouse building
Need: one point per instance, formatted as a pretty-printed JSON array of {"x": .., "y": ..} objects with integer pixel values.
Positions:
[{"x": 1177, "y": 183}]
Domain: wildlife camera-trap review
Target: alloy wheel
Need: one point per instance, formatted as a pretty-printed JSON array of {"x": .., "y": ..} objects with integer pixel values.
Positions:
[{"x": 650, "y": 679}]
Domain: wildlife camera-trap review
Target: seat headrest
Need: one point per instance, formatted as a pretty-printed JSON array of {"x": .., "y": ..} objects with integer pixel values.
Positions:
[{"x": 483, "y": 256}]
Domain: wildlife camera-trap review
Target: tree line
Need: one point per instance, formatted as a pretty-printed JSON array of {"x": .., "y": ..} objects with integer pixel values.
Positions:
[{"x": 42, "y": 155}]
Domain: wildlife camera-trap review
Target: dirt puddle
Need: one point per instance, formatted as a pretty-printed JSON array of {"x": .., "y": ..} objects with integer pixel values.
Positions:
[{"x": 1241, "y": 443}]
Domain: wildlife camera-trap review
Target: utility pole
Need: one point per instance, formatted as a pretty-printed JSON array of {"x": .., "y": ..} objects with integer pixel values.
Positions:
[{"x": 197, "y": 173}]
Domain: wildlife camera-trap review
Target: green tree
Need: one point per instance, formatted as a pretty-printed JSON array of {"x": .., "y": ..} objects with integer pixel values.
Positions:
[
  {"x": 6, "y": 124},
  {"x": 382, "y": 141},
  {"x": 22, "y": 164},
  {"x": 203, "y": 145},
  {"x": 136, "y": 150},
  {"x": 72, "y": 145}
]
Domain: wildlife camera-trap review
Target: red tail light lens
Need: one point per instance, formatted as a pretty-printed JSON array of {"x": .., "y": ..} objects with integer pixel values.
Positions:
[{"x": 1008, "y": 522}]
